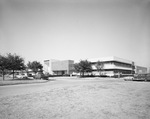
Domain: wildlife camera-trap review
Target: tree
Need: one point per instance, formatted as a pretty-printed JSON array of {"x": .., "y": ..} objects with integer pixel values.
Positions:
[
  {"x": 15, "y": 62},
  {"x": 83, "y": 66},
  {"x": 78, "y": 68},
  {"x": 3, "y": 65},
  {"x": 99, "y": 66},
  {"x": 35, "y": 66}
]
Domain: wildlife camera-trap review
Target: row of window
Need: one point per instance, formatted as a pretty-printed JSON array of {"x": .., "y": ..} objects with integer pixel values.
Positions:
[
  {"x": 118, "y": 64},
  {"x": 122, "y": 64}
]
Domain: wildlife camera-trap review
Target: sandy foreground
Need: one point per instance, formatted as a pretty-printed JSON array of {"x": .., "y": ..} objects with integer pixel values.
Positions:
[{"x": 93, "y": 98}]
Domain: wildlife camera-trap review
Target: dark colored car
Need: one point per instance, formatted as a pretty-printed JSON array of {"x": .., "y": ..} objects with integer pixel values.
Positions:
[
  {"x": 148, "y": 77},
  {"x": 41, "y": 76},
  {"x": 142, "y": 77}
]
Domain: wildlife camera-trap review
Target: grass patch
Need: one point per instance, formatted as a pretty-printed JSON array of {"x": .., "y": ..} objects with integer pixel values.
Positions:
[{"x": 20, "y": 81}]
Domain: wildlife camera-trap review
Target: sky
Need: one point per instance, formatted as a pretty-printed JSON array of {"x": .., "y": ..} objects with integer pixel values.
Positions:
[{"x": 76, "y": 29}]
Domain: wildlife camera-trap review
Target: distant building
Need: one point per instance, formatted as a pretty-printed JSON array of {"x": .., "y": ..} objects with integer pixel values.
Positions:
[
  {"x": 148, "y": 70},
  {"x": 57, "y": 67},
  {"x": 111, "y": 66},
  {"x": 141, "y": 70}
]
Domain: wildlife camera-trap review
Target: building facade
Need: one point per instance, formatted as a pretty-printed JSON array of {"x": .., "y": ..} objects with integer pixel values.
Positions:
[
  {"x": 141, "y": 70},
  {"x": 112, "y": 66},
  {"x": 57, "y": 67}
]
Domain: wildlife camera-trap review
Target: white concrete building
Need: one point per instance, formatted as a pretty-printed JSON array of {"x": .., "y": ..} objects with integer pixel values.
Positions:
[
  {"x": 113, "y": 66},
  {"x": 57, "y": 67}
]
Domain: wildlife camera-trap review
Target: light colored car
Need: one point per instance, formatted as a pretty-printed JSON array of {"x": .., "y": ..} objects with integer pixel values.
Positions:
[
  {"x": 21, "y": 76},
  {"x": 128, "y": 78}
]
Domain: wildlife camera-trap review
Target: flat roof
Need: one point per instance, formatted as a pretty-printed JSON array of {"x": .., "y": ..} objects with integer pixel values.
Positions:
[{"x": 111, "y": 58}]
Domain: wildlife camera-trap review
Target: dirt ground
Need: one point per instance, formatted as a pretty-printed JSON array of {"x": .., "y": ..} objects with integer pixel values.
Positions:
[{"x": 93, "y": 98}]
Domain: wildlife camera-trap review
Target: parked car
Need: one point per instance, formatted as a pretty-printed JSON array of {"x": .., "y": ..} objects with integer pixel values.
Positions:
[
  {"x": 21, "y": 76},
  {"x": 40, "y": 75},
  {"x": 30, "y": 76},
  {"x": 148, "y": 77},
  {"x": 128, "y": 78},
  {"x": 142, "y": 77}
]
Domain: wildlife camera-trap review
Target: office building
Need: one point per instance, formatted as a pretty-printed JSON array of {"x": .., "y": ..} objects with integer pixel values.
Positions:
[{"x": 111, "y": 66}]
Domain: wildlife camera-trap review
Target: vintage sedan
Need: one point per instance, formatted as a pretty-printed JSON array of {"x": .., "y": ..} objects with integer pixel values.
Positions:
[{"x": 128, "y": 78}]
